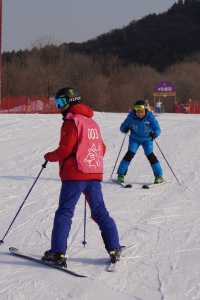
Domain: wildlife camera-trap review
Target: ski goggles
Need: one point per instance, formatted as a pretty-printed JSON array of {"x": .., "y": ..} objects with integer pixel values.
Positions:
[
  {"x": 139, "y": 108},
  {"x": 60, "y": 102}
]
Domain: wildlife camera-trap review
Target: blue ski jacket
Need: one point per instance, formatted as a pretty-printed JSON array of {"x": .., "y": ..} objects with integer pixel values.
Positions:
[{"x": 141, "y": 128}]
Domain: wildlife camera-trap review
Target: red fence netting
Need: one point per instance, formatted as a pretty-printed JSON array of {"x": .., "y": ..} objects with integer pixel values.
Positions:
[
  {"x": 188, "y": 108},
  {"x": 24, "y": 104},
  {"x": 45, "y": 105}
]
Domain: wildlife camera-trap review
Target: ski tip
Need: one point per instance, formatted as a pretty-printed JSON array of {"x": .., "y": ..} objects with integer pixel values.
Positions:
[
  {"x": 122, "y": 247},
  {"x": 145, "y": 186},
  {"x": 126, "y": 185},
  {"x": 13, "y": 249}
]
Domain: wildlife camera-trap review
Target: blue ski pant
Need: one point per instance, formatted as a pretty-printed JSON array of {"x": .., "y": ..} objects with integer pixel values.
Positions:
[
  {"x": 69, "y": 195},
  {"x": 148, "y": 150}
]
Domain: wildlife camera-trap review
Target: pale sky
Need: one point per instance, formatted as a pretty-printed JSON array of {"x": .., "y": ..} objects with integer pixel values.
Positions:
[{"x": 29, "y": 22}]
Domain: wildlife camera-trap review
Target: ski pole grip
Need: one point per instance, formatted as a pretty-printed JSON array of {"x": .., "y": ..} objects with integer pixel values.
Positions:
[{"x": 45, "y": 164}]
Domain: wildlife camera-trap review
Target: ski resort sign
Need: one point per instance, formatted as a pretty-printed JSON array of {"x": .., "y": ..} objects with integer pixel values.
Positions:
[{"x": 164, "y": 89}]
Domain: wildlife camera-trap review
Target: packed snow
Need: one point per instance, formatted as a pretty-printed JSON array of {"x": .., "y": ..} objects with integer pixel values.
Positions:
[{"x": 159, "y": 226}]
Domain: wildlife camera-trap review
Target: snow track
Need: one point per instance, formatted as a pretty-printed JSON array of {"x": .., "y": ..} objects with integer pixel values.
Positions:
[{"x": 162, "y": 223}]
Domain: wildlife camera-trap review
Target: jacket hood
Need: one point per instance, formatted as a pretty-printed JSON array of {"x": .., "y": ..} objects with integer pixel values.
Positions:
[{"x": 81, "y": 109}]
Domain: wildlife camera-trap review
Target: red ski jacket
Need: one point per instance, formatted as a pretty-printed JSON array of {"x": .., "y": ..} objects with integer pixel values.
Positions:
[{"x": 65, "y": 154}]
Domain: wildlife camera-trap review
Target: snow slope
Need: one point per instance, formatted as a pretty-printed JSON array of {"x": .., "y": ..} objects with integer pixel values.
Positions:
[{"x": 162, "y": 225}]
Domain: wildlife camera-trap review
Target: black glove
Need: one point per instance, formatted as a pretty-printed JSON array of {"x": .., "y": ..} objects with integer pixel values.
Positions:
[
  {"x": 126, "y": 131},
  {"x": 153, "y": 135}
]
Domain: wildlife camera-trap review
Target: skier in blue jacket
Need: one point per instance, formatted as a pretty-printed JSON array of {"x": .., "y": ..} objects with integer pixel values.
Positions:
[{"x": 144, "y": 128}]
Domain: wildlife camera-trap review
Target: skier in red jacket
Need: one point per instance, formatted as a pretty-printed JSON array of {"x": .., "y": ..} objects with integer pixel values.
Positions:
[{"x": 80, "y": 156}]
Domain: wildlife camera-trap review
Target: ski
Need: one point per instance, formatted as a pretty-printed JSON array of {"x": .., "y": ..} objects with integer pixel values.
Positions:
[
  {"x": 123, "y": 184},
  {"x": 18, "y": 253},
  {"x": 152, "y": 185},
  {"x": 112, "y": 266},
  {"x": 126, "y": 185}
]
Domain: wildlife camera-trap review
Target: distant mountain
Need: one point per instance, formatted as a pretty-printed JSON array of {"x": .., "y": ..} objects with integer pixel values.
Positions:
[{"x": 155, "y": 40}]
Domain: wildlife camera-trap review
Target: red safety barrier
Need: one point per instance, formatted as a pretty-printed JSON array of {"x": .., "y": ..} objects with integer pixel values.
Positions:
[
  {"x": 194, "y": 108},
  {"x": 45, "y": 105},
  {"x": 24, "y": 104},
  {"x": 188, "y": 108}
]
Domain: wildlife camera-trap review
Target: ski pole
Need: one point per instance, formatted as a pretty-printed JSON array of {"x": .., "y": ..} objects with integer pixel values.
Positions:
[
  {"x": 118, "y": 155},
  {"x": 84, "y": 242},
  {"x": 43, "y": 166},
  {"x": 168, "y": 163}
]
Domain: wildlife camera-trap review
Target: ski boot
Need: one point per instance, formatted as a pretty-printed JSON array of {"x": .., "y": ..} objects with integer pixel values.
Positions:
[
  {"x": 158, "y": 179},
  {"x": 120, "y": 178},
  {"x": 55, "y": 258},
  {"x": 115, "y": 255}
]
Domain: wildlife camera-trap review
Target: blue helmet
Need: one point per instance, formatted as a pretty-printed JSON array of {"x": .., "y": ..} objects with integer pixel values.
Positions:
[{"x": 67, "y": 96}]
